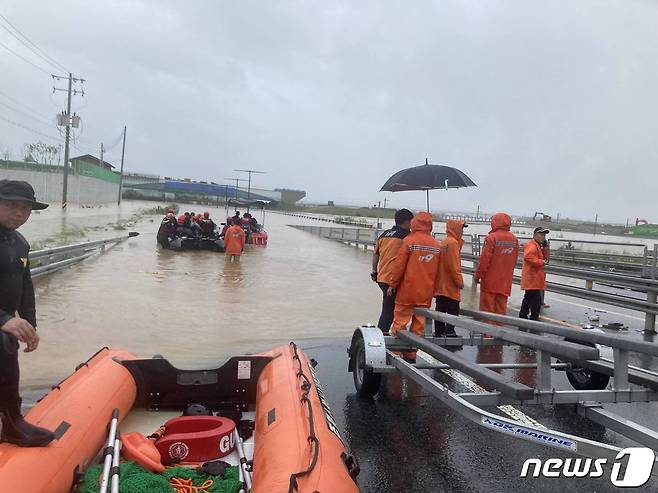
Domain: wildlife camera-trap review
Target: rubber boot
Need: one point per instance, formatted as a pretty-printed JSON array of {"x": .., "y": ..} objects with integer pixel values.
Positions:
[{"x": 19, "y": 432}]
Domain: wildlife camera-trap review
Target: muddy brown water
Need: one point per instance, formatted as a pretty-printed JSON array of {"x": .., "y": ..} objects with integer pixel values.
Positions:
[{"x": 191, "y": 307}]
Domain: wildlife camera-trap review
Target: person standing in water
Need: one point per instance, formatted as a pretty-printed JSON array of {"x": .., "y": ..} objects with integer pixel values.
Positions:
[
  {"x": 18, "y": 319},
  {"x": 234, "y": 240}
]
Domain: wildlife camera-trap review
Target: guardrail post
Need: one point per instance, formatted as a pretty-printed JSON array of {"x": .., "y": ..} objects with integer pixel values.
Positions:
[
  {"x": 356, "y": 243},
  {"x": 654, "y": 264},
  {"x": 650, "y": 318}
]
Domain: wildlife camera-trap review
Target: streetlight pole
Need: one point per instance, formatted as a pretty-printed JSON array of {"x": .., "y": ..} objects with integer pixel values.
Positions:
[
  {"x": 237, "y": 185},
  {"x": 249, "y": 171}
]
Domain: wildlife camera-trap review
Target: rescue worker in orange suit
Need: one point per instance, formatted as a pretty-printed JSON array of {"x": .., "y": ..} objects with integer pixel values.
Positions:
[
  {"x": 234, "y": 240},
  {"x": 451, "y": 281},
  {"x": 229, "y": 223},
  {"x": 533, "y": 276},
  {"x": 386, "y": 249},
  {"x": 497, "y": 263},
  {"x": 413, "y": 277}
]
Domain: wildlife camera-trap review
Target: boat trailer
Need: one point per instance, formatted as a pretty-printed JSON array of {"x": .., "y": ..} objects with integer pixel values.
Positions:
[{"x": 580, "y": 353}]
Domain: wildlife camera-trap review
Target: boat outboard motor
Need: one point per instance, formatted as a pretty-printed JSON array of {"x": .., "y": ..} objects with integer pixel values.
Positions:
[{"x": 176, "y": 243}]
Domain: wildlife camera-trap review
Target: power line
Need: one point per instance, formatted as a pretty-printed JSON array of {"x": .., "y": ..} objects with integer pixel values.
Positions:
[
  {"x": 25, "y": 127},
  {"x": 17, "y": 102},
  {"x": 40, "y": 120},
  {"x": 34, "y": 48},
  {"x": 24, "y": 59}
]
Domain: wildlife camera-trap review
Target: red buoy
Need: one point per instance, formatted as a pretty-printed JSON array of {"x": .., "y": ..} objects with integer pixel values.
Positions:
[{"x": 196, "y": 439}]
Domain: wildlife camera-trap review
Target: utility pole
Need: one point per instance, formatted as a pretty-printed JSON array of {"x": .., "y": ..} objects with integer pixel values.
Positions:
[
  {"x": 385, "y": 199},
  {"x": 102, "y": 150},
  {"x": 250, "y": 171},
  {"x": 237, "y": 185},
  {"x": 68, "y": 121},
  {"x": 123, "y": 152},
  {"x": 596, "y": 220}
]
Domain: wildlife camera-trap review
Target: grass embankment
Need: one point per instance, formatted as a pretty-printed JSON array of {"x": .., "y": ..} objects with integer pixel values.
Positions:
[{"x": 646, "y": 230}]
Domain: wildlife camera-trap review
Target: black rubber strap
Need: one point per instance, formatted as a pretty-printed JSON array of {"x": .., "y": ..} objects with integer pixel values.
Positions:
[
  {"x": 108, "y": 451},
  {"x": 114, "y": 471}
]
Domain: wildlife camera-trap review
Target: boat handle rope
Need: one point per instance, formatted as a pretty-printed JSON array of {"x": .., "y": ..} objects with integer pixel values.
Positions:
[{"x": 312, "y": 438}]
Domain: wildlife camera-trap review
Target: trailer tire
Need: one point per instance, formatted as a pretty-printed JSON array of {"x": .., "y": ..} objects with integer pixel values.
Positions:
[
  {"x": 366, "y": 382},
  {"x": 584, "y": 378}
]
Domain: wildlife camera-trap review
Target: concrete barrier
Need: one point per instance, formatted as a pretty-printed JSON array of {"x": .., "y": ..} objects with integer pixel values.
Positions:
[{"x": 81, "y": 189}]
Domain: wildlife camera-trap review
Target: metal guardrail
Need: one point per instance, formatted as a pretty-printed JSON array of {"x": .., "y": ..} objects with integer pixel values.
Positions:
[
  {"x": 49, "y": 260},
  {"x": 646, "y": 286}
]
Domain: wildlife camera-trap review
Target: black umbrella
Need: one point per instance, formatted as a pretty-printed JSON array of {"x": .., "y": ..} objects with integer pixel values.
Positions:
[{"x": 427, "y": 177}]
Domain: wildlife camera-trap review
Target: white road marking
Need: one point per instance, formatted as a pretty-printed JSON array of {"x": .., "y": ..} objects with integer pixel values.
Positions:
[{"x": 594, "y": 308}]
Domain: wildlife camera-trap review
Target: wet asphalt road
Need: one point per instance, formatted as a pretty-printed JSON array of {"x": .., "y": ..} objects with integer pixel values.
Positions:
[{"x": 406, "y": 441}]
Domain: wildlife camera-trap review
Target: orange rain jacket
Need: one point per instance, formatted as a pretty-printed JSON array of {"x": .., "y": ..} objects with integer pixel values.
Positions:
[
  {"x": 414, "y": 273},
  {"x": 450, "y": 280},
  {"x": 499, "y": 256},
  {"x": 234, "y": 240},
  {"x": 387, "y": 246},
  {"x": 533, "y": 275}
]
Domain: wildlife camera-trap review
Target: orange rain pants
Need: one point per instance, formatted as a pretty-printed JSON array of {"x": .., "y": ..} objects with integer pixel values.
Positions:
[
  {"x": 494, "y": 303},
  {"x": 401, "y": 317}
]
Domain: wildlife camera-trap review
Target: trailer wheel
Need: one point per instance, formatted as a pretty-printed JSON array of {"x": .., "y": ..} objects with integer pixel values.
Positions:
[
  {"x": 585, "y": 379},
  {"x": 366, "y": 382}
]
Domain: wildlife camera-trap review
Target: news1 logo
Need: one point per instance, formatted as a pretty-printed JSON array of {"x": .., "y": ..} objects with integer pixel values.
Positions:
[{"x": 639, "y": 465}]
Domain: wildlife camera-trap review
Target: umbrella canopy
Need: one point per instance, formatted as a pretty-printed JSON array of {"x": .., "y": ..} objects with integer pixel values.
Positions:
[{"x": 427, "y": 177}]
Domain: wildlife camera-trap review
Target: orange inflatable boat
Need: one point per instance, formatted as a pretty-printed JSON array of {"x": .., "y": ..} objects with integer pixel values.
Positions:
[{"x": 295, "y": 445}]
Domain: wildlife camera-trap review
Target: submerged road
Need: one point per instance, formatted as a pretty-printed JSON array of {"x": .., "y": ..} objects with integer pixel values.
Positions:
[{"x": 197, "y": 310}]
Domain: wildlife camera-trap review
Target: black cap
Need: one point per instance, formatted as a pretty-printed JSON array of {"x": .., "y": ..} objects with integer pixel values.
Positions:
[
  {"x": 19, "y": 190},
  {"x": 540, "y": 230}
]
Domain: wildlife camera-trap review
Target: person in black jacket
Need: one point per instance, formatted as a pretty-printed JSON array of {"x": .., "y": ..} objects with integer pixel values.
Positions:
[
  {"x": 167, "y": 229},
  {"x": 17, "y": 311}
]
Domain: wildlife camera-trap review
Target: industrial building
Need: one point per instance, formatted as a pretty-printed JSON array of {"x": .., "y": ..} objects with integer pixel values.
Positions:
[{"x": 153, "y": 187}]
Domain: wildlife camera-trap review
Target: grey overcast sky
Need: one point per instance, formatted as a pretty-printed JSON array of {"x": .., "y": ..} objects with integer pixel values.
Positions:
[{"x": 547, "y": 105}]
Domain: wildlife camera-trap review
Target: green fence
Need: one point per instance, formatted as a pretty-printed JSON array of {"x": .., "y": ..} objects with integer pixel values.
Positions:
[
  {"x": 87, "y": 169},
  {"x": 82, "y": 168},
  {"x": 22, "y": 165}
]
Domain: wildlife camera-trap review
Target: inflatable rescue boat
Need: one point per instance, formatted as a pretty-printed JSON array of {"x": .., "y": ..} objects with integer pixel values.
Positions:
[{"x": 262, "y": 416}]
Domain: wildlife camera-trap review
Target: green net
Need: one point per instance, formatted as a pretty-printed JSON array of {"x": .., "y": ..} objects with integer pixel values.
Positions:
[{"x": 135, "y": 479}]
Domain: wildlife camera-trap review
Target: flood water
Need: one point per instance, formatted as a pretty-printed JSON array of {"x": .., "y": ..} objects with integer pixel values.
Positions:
[{"x": 191, "y": 307}]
